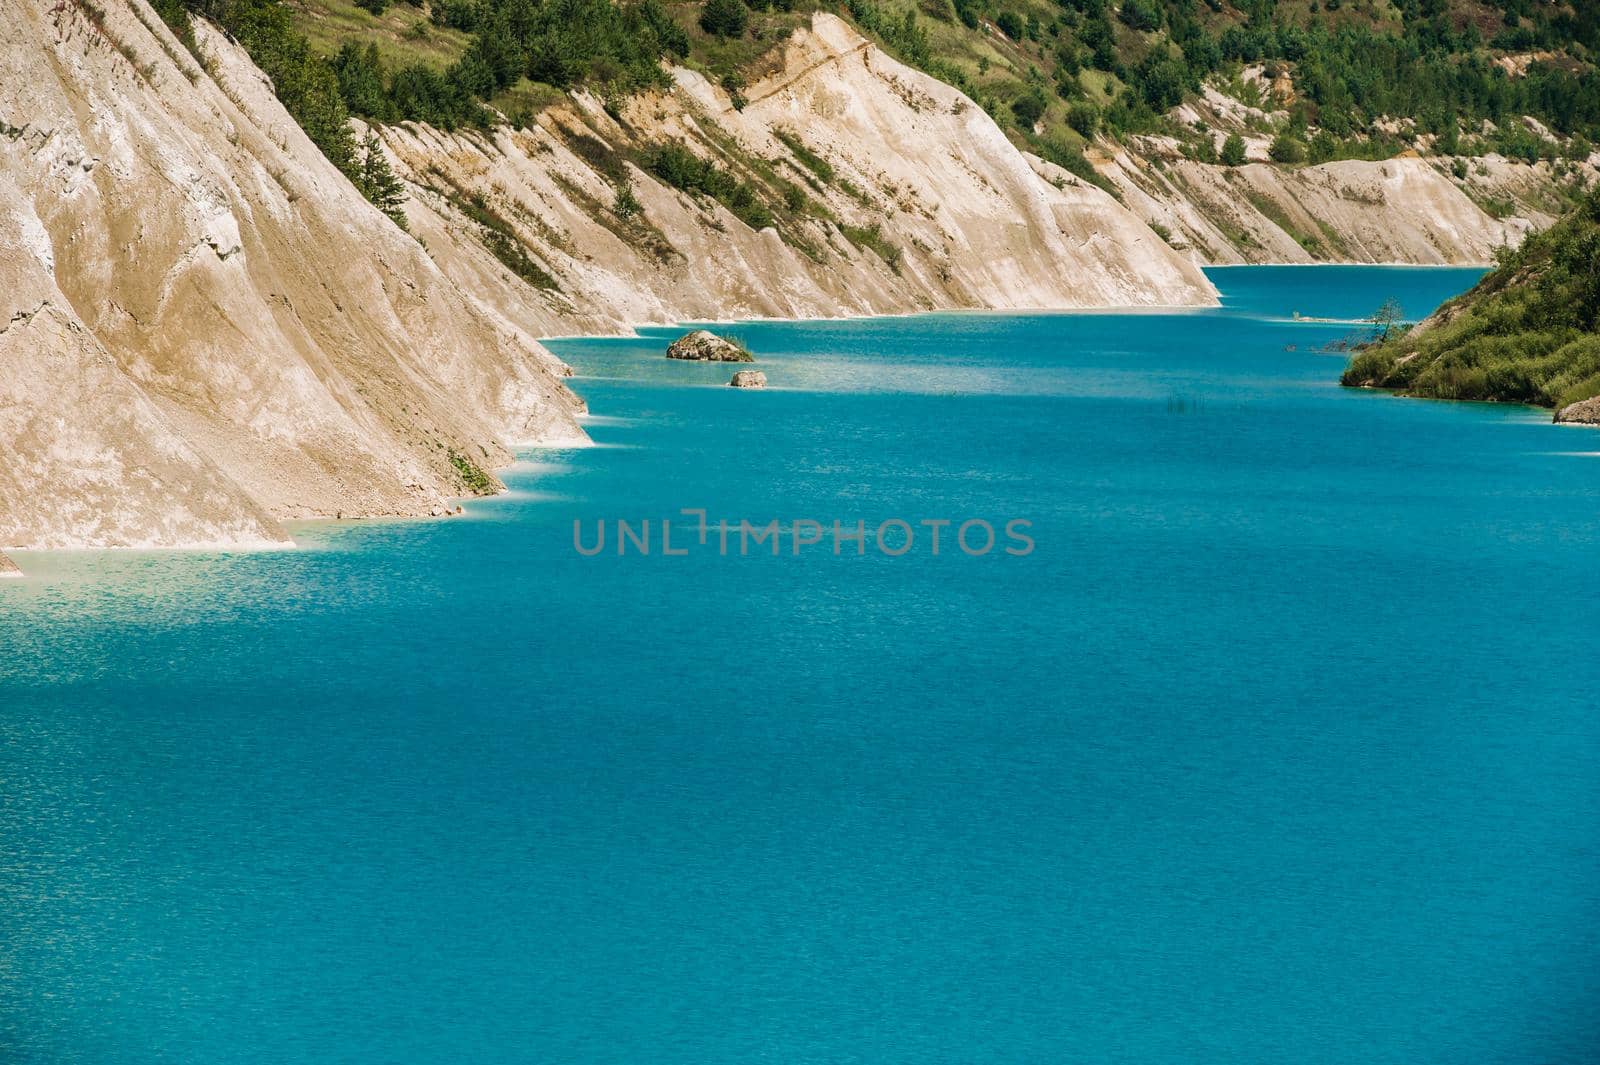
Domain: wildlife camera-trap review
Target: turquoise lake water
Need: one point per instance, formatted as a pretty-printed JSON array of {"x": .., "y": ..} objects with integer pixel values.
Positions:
[{"x": 1281, "y": 745}]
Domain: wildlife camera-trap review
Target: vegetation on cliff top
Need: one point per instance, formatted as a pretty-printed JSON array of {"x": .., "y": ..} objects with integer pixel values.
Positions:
[
  {"x": 1340, "y": 78},
  {"x": 305, "y": 83},
  {"x": 1052, "y": 71},
  {"x": 1529, "y": 332}
]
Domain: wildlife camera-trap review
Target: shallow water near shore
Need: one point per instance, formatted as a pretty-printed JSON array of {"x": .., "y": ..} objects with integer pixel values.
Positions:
[{"x": 1280, "y": 744}]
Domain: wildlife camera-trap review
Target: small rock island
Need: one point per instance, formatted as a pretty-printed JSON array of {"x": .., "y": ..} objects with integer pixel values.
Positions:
[
  {"x": 8, "y": 568},
  {"x": 702, "y": 345},
  {"x": 748, "y": 379}
]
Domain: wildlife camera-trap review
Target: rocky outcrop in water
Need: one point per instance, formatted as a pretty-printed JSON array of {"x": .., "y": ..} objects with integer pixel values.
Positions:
[
  {"x": 702, "y": 345},
  {"x": 1586, "y": 412},
  {"x": 204, "y": 328},
  {"x": 749, "y": 379},
  {"x": 8, "y": 568}
]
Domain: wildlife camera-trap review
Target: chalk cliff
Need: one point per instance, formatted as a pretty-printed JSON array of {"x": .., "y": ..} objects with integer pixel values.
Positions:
[
  {"x": 1403, "y": 210},
  {"x": 906, "y": 197},
  {"x": 204, "y": 329}
]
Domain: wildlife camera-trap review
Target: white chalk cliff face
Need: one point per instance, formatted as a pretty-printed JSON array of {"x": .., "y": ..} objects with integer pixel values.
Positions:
[
  {"x": 963, "y": 219},
  {"x": 204, "y": 328},
  {"x": 1403, "y": 210}
]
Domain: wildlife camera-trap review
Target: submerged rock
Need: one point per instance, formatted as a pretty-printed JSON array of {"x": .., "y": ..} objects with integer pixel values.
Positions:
[
  {"x": 8, "y": 568},
  {"x": 748, "y": 379},
  {"x": 702, "y": 345},
  {"x": 1586, "y": 412}
]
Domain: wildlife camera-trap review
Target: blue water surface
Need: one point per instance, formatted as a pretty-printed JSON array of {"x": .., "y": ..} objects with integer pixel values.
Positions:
[{"x": 1281, "y": 745}]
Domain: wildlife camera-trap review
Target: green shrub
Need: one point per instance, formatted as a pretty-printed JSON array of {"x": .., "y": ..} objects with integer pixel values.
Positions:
[
  {"x": 1233, "y": 150},
  {"x": 1072, "y": 160},
  {"x": 872, "y": 238},
  {"x": 473, "y": 477},
  {"x": 626, "y": 204},
  {"x": 682, "y": 169},
  {"x": 1287, "y": 149},
  {"x": 903, "y": 36},
  {"x": 1529, "y": 332},
  {"x": 1029, "y": 108},
  {"x": 808, "y": 158},
  {"x": 1085, "y": 119},
  {"x": 725, "y": 18},
  {"x": 496, "y": 235}
]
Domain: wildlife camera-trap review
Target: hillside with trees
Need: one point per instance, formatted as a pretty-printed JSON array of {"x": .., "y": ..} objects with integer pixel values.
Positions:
[
  {"x": 1529, "y": 332},
  {"x": 1110, "y": 92},
  {"x": 1359, "y": 78}
]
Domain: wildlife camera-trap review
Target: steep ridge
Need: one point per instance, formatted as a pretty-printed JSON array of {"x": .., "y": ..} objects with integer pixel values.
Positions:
[
  {"x": 906, "y": 197},
  {"x": 204, "y": 329},
  {"x": 1420, "y": 206},
  {"x": 1403, "y": 210}
]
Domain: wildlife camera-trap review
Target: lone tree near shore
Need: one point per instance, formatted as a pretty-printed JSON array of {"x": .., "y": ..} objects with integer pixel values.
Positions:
[{"x": 1386, "y": 319}]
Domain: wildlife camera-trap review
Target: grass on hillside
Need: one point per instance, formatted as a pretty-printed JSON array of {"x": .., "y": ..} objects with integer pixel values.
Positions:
[
  {"x": 403, "y": 33},
  {"x": 1529, "y": 332}
]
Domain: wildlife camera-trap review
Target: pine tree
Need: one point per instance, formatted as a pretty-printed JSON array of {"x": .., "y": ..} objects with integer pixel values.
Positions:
[
  {"x": 725, "y": 18},
  {"x": 378, "y": 183}
]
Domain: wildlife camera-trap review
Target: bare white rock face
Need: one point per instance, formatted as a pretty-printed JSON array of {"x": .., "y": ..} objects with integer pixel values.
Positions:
[
  {"x": 204, "y": 328},
  {"x": 935, "y": 208},
  {"x": 1404, "y": 210}
]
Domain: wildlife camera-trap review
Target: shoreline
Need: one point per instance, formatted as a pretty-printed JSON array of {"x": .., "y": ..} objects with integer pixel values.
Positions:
[
  {"x": 223, "y": 548},
  {"x": 1109, "y": 309},
  {"x": 1363, "y": 266},
  {"x": 1028, "y": 312},
  {"x": 1502, "y": 404}
]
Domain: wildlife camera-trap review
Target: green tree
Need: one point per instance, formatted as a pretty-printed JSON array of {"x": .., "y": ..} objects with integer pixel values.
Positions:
[
  {"x": 175, "y": 15},
  {"x": 1386, "y": 319},
  {"x": 378, "y": 183},
  {"x": 1233, "y": 150},
  {"x": 1085, "y": 118},
  {"x": 1287, "y": 149},
  {"x": 1140, "y": 15},
  {"x": 1324, "y": 146},
  {"x": 1162, "y": 79},
  {"x": 1029, "y": 108},
  {"x": 725, "y": 18},
  {"x": 361, "y": 79}
]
